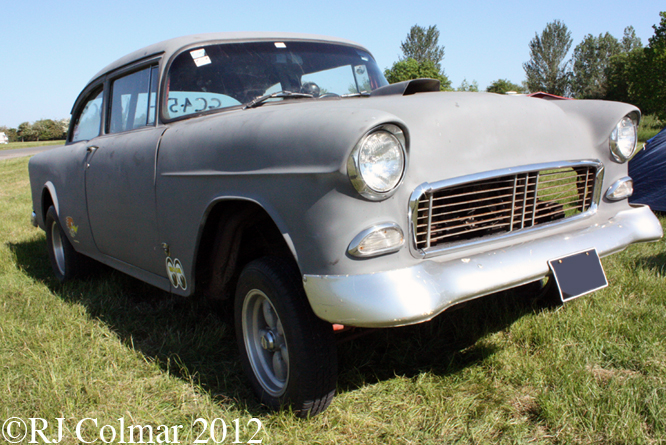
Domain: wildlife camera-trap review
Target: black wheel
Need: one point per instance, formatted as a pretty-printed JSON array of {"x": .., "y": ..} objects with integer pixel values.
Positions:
[
  {"x": 66, "y": 262},
  {"x": 288, "y": 353}
]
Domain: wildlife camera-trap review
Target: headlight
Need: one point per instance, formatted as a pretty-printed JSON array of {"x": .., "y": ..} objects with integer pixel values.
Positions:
[
  {"x": 376, "y": 166},
  {"x": 623, "y": 138}
]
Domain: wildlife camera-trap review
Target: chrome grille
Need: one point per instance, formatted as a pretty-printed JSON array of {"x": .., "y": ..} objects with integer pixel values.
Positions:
[{"x": 500, "y": 204}]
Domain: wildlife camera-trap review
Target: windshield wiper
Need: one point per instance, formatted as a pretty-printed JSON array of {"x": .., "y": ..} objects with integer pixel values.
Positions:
[{"x": 260, "y": 100}]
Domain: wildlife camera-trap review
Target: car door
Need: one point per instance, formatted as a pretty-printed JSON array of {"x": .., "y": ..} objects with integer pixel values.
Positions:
[{"x": 120, "y": 174}]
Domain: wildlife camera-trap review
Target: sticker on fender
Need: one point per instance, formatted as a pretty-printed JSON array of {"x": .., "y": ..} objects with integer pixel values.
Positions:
[
  {"x": 578, "y": 274},
  {"x": 176, "y": 273}
]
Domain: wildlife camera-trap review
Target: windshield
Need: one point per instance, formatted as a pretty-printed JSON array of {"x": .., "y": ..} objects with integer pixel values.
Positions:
[{"x": 227, "y": 75}]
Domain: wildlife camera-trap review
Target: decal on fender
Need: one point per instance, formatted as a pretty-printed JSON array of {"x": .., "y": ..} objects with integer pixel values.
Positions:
[
  {"x": 73, "y": 230},
  {"x": 176, "y": 273}
]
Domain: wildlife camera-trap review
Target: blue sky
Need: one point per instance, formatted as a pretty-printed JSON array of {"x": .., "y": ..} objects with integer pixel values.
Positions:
[{"x": 51, "y": 49}]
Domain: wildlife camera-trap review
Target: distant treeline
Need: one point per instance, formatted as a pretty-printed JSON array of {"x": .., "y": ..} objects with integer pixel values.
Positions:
[{"x": 41, "y": 130}]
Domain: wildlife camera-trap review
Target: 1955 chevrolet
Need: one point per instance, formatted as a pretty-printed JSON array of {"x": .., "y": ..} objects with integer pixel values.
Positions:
[{"x": 281, "y": 170}]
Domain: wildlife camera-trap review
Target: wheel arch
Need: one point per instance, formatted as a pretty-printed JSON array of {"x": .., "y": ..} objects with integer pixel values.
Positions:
[
  {"x": 233, "y": 232},
  {"x": 49, "y": 198}
]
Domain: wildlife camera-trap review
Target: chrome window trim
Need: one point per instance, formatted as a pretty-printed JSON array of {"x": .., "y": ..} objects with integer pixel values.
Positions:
[{"x": 455, "y": 246}]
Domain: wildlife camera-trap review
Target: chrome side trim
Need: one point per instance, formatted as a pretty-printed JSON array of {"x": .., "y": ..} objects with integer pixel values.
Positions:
[{"x": 431, "y": 187}]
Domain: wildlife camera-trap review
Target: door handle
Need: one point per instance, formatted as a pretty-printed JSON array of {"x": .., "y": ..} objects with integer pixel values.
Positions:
[{"x": 91, "y": 151}]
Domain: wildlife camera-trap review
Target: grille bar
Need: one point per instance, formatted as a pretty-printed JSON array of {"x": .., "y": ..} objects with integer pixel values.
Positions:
[{"x": 496, "y": 205}]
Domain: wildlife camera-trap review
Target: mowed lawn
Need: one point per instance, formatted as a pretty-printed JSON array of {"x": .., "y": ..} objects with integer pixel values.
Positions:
[
  {"x": 15, "y": 145},
  {"x": 503, "y": 369}
]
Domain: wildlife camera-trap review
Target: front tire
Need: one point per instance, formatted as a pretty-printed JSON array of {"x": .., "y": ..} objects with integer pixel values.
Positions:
[
  {"x": 66, "y": 262},
  {"x": 287, "y": 352}
]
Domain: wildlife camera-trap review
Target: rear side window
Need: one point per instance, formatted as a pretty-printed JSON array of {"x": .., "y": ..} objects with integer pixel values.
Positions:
[
  {"x": 133, "y": 101},
  {"x": 87, "y": 122}
]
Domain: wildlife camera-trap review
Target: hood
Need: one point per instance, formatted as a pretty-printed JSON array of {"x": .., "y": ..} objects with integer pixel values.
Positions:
[{"x": 448, "y": 134}]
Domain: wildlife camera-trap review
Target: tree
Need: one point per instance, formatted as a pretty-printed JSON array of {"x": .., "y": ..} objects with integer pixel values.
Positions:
[
  {"x": 466, "y": 86},
  {"x": 590, "y": 60},
  {"x": 653, "y": 87},
  {"x": 547, "y": 69},
  {"x": 621, "y": 74},
  {"x": 503, "y": 86},
  {"x": 25, "y": 132},
  {"x": 422, "y": 44},
  {"x": 421, "y": 58},
  {"x": 411, "y": 69},
  {"x": 639, "y": 76},
  {"x": 41, "y": 129},
  {"x": 629, "y": 41},
  {"x": 10, "y": 132}
]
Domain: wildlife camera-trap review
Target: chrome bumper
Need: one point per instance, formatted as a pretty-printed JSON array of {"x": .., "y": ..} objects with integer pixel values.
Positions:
[
  {"x": 33, "y": 219},
  {"x": 419, "y": 293}
]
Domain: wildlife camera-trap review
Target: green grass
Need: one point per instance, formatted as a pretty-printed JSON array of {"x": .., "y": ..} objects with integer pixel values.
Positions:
[
  {"x": 649, "y": 126},
  {"x": 15, "y": 145},
  {"x": 499, "y": 370}
]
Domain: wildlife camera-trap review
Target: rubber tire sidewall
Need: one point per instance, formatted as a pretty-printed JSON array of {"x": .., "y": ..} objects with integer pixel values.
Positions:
[
  {"x": 72, "y": 260},
  {"x": 312, "y": 352}
]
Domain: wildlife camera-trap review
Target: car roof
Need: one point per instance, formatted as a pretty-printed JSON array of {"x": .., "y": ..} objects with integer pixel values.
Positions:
[{"x": 171, "y": 46}]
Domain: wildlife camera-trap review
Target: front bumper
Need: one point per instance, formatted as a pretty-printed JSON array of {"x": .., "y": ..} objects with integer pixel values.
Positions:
[{"x": 419, "y": 293}]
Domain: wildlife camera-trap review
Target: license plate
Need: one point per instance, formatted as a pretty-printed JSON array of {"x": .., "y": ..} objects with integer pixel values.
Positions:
[{"x": 578, "y": 274}]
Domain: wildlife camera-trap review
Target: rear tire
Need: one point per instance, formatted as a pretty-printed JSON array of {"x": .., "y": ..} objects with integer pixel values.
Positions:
[
  {"x": 287, "y": 352},
  {"x": 66, "y": 262}
]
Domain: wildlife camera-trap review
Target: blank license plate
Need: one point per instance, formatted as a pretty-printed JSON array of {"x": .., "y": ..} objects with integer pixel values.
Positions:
[{"x": 578, "y": 274}]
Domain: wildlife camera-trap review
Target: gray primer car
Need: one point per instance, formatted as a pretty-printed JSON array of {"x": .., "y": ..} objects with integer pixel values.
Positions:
[{"x": 283, "y": 171}]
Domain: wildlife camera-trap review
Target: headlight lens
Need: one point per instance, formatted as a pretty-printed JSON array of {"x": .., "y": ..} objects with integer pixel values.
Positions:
[
  {"x": 381, "y": 161},
  {"x": 623, "y": 139},
  {"x": 377, "y": 163}
]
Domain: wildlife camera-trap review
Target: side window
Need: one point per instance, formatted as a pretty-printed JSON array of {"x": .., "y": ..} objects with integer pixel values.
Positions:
[
  {"x": 133, "y": 101},
  {"x": 87, "y": 122}
]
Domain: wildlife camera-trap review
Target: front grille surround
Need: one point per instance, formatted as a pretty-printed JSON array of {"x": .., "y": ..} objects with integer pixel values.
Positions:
[{"x": 515, "y": 188}]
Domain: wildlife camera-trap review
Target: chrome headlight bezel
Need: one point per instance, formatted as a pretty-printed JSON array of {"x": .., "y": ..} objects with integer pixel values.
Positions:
[
  {"x": 623, "y": 136},
  {"x": 355, "y": 167}
]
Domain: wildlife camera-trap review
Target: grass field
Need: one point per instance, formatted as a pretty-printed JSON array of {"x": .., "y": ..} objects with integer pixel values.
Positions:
[
  {"x": 15, "y": 145},
  {"x": 499, "y": 370},
  {"x": 649, "y": 126}
]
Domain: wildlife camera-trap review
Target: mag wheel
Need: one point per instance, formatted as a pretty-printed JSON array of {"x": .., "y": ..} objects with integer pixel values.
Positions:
[
  {"x": 287, "y": 352},
  {"x": 66, "y": 262}
]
